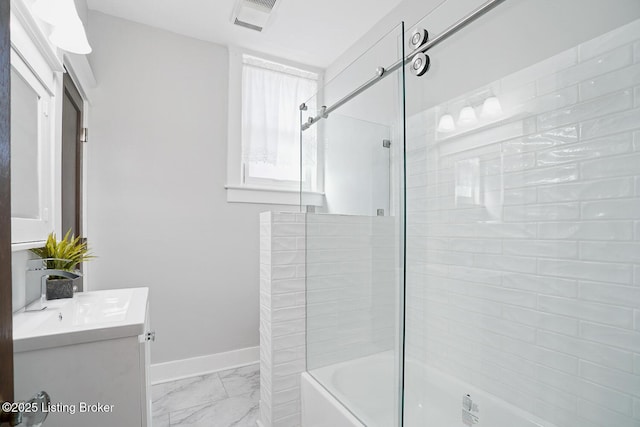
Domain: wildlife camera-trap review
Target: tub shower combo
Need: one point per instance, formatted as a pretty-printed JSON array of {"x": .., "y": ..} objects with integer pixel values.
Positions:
[{"x": 476, "y": 260}]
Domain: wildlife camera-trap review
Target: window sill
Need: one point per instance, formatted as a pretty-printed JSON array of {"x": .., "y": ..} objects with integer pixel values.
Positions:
[{"x": 270, "y": 196}]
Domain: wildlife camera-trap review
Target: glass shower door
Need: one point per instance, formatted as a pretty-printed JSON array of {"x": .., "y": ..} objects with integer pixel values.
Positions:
[
  {"x": 353, "y": 238},
  {"x": 523, "y": 219}
]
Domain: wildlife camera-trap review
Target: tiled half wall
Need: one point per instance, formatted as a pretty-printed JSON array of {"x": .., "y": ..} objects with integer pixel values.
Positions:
[{"x": 350, "y": 300}]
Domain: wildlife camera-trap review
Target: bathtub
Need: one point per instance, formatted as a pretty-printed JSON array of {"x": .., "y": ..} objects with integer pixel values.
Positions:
[{"x": 362, "y": 392}]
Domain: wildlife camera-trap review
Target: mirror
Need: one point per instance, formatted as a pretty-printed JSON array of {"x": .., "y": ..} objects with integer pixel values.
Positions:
[
  {"x": 25, "y": 191},
  {"x": 32, "y": 145}
]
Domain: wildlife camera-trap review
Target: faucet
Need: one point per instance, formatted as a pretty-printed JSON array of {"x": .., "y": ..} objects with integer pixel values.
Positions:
[{"x": 37, "y": 269}]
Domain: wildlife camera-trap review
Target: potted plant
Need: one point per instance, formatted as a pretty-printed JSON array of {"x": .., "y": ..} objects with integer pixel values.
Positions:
[{"x": 68, "y": 253}]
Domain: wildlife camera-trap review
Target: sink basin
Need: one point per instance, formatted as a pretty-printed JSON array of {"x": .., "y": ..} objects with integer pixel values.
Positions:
[{"x": 87, "y": 317}]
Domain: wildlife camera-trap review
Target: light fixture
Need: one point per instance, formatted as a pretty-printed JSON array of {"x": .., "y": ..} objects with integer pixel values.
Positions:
[
  {"x": 68, "y": 31},
  {"x": 446, "y": 124},
  {"x": 50, "y": 11},
  {"x": 467, "y": 116},
  {"x": 491, "y": 108},
  {"x": 71, "y": 37}
]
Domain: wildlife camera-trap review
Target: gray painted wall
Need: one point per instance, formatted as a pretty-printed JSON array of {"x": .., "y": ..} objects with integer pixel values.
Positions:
[{"x": 157, "y": 207}]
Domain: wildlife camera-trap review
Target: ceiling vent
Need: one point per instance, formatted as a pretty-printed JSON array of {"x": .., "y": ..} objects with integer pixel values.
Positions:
[{"x": 253, "y": 14}]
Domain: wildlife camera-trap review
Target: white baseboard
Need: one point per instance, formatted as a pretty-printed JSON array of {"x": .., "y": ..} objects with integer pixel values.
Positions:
[{"x": 185, "y": 368}]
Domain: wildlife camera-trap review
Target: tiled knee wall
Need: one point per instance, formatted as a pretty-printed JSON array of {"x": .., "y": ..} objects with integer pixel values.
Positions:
[
  {"x": 523, "y": 246},
  {"x": 351, "y": 287},
  {"x": 282, "y": 317},
  {"x": 351, "y": 299}
]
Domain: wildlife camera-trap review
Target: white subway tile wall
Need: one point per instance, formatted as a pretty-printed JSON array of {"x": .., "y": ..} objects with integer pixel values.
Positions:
[
  {"x": 352, "y": 287},
  {"x": 282, "y": 317},
  {"x": 523, "y": 239},
  {"x": 351, "y": 300}
]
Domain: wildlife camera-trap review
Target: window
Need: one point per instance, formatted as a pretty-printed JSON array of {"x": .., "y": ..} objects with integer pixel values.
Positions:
[
  {"x": 271, "y": 96},
  {"x": 265, "y": 124}
]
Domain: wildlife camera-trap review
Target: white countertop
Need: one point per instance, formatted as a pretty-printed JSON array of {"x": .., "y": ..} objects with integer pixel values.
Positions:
[{"x": 87, "y": 317}]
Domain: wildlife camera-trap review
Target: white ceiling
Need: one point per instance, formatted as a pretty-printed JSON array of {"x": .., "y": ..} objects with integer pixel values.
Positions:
[{"x": 309, "y": 32}]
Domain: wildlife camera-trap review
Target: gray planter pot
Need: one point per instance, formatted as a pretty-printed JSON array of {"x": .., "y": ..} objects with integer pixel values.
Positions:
[{"x": 60, "y": 288}]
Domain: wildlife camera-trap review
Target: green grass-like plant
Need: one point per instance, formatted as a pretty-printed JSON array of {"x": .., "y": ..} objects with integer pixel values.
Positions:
[{"x": 69, "y": 248}]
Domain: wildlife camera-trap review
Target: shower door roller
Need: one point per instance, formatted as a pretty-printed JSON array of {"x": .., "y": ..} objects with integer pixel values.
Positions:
[
  {"x": 419, "y": 36},
  {"x": 420, "y": 64}
]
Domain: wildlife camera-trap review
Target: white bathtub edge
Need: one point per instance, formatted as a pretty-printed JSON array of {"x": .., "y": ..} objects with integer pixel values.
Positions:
[{"x": 320, "y": 408}]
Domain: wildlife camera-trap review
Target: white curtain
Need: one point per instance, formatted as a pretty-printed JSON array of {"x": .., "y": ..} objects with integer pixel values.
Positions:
[{"x": 270, "y": 114}]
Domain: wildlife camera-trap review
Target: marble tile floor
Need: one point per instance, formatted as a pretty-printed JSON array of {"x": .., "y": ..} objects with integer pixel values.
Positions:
[{"x": 222, "y": 399}]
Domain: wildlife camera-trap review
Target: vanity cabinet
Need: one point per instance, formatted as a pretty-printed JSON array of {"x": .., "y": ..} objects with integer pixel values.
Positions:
[{"x": 89, "y": 359}]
